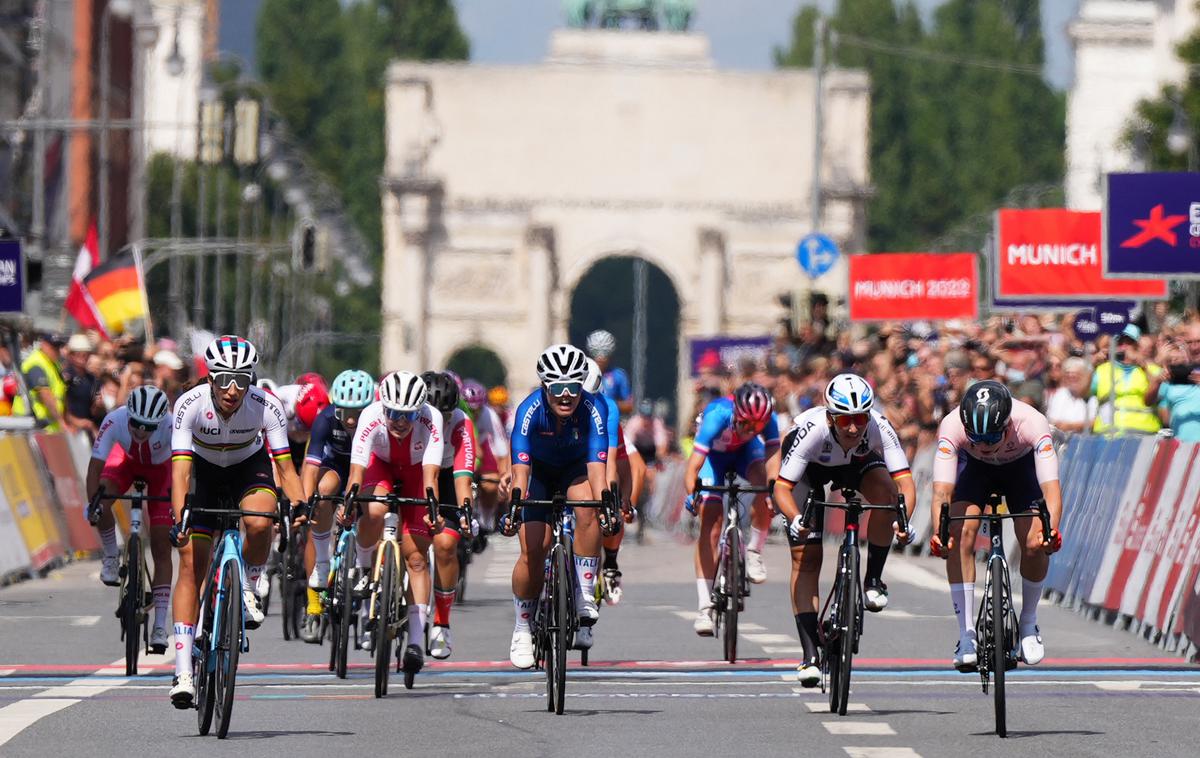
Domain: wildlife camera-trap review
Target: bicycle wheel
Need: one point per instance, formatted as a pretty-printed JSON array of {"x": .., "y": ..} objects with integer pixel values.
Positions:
[
  {"x": 561, "y": 628},
  {"x": 543, "y": 644},
  {"x": 385, "y": 616},
  {"x": 999, "y": 644},
  {"x": 131, "y": 604},
  {"x": 229, "y": 645},
  {"x": 733, "y": 592},
  {"x": 464, "y": 558},
  {"x": 847, "y": 632}
]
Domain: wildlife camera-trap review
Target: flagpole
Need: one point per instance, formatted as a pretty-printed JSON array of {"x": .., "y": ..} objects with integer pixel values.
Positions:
[{"x": 147, "y": 320}]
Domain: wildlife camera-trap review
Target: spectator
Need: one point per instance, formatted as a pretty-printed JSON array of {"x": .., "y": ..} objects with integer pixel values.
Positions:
[
  {"x": 81, "y": 386},
  {"x": 1177, "y": 387},
  {"x": 1120, "y": 388},
  {"x": 44, "y": 380},
  {"x": 167, "y": 366},
  {"x": 1067, "y": 406}
]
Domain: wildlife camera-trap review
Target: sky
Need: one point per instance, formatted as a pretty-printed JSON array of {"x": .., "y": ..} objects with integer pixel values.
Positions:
[{"x": 742, "y": 32}]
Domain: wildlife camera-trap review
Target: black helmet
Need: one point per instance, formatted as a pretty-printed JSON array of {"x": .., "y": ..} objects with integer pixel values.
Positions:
[
  {"x": 984, "y": 411},
  {"x": 443, "y": 391}
]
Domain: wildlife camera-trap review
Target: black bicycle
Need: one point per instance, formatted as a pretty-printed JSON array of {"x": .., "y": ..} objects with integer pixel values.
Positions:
[
  {"x": 730, "y": 587},
  {"x": 293, "y": 583},
  {"x": 338, "y": 603},
  {"x": 134, "y": 603},
  {"x": 841, "y": 623},
  {"x": 996, "y": 630},
  {"x": 555, "y": 622}
]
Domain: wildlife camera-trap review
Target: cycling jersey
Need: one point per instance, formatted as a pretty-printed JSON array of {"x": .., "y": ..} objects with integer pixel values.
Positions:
[
  {"x": 330, "y": 439},
  {"x": 1027, "y": 432},
  {"x": 492, "y": 439},
  {"x": 811, "y": 442},
  {"x": 718, "y": 434},
  {"x": 459, "y": 455},
  {"x": 423, "y": 446},
  {"x": 114, "y": 432},
  {"x": 537, "y": 436},
  {"x": 615, "y": 384},
  {"x": 199, "y": 429}
]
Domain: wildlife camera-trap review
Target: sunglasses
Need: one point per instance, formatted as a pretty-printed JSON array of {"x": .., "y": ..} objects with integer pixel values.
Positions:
[
  {"x": 986, "y": 439},
  {"x": 222, "y": 379},
  {"x": 143, "y": 427},
  {"x": 347, "y": 414},
  {"x": 564, "y": 389},
  {"x": 394, "y": 415},
  {"x": 851, "y": 419}
]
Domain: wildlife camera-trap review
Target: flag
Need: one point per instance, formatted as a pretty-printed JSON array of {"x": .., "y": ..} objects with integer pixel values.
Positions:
[
  {"x": 116, "y": 289},
  {"x": 78, "y": 303}
]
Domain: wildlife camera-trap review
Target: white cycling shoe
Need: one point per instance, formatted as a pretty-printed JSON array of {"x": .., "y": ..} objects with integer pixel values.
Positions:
[
  {"x": 319, "y": 576},
  {"x": 875, "y": 596},
  {"x": 158, "y": 640},
  {"x": 584, "y": 638},
  {"x": 439, "y": 642},
  {"x": 756, "y": 570},
  {"x": 262, "y": 587},
  {"x": 1032, "y": 650},
  {"x": 183, "y": 691},
  {"x": 520, "y": 653},
  {"x": 254, "y": 614},
  {"x": 966, "y": 658},
  {"x": 588, "y": 612},
  {"x": 808, "y": 673},
  {"x": 703, "y": 625},
  {"x": 109, "y": 566}
]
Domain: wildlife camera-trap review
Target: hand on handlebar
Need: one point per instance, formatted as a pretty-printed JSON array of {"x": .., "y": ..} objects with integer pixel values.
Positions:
[
  {"x": 905, "y": 538},
  {"x": 179, "y": 535},
  {"x": 938, "y": 549},
  {"x": 795, "y": 527},
  {"x": 299, "y": 513},
  {"x": 1054, "y": 544}
]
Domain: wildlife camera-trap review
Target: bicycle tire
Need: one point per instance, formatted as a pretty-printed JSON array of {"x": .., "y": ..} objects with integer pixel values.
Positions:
[
  {"x": 848, "y": 610},
  {"x": 131, "y": 604},
  {"x": 733, "y": 592},
  {"x": 543, "y": 641},
  {"x": 999, "y": 646},
  {"x": 562, "y": 629},
  {"x": 460, "y": 589},
  {"x": 345, "y": 611},
  {"x": 229, "y": 646},
  {"x": 200, "y": 674},
  {"x": 383, "y": 620}
]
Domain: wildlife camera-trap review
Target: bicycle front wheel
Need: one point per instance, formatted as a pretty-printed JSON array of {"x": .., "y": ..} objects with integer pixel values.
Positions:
[
  {"x": 733, "y": 592},
  {"x": 344, "y": 606},
  {"x": 131, "y": 604},
  {"x": 561, "y": 627},
  {"x": 847, "y": 632},
  {"x": 229, "y": 645},
  {"x": 999, "y": 644},
  {"x": 200, "y": 652},
  {"x": 385, "y": 616}
]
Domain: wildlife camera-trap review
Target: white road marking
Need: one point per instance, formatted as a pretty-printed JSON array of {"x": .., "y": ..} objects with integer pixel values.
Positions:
[
  {"x": 824, "y": 706},
  {"x": 6, "y": 672},
  {"x": 881, "y": 752},
  {"x": 783, "y": 649},
  {"x": 85, "y": 621},
  {"x": 896, "y": 614},
  {"x": 857, "y": 727},
  {"x": 907, "y": 572},
  {"x": 685, "y": 615},
  {"x": 769, "y": 639},
  {"x": 750, "y": 626},
  {"x": 1118, "y": 686},
  {"x": 72, "y": 620},
  {"x": 16, "y": 717}
]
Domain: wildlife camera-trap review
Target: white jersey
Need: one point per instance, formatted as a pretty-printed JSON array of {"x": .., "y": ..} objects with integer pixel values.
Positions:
[
  {"x": 200, "y": 430},
  {"x": 489, "y": 430},
  {"x": 811, "y": 441},
  {"x": 114, "y": 432},
  {"x": 423, "y": 445}
]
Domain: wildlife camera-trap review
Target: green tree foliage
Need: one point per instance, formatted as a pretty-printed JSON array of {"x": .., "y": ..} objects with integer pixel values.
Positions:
[
  {"x": 1177, "y": 106},
  {"x": 950, "y": 140}
]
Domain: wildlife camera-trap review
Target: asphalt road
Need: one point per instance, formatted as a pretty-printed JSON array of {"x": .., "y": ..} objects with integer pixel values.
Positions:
[{"x": 654, "y": 687}]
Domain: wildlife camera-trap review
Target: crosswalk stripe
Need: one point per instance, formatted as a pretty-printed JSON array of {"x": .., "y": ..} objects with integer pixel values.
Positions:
[
  {"x": 857, "y": 727},
  {"x": 881, "y": 752},
  {"x": 824, "y": 706}
]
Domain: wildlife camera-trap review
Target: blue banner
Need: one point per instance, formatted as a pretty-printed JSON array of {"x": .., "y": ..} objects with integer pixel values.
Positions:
[
  {"x": 12, "y": 277},
  {"x": 1152, "y": 225}
]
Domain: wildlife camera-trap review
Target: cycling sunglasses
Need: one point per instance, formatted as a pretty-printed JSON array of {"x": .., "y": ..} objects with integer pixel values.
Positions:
[
  {"x": 394, "y": 415},
  {"x": 851, "y": 419},
  {"x": 347, "y": 414},
  {"x": 225, "y": 378},
  {"x": 564, "y": 389},
  {"x": 986, "y": 439},
  {"x": 140, "y": 426}
]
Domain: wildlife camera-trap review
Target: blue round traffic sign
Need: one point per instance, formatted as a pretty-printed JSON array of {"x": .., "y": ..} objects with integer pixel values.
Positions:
[{"x": 817, "y": 254}]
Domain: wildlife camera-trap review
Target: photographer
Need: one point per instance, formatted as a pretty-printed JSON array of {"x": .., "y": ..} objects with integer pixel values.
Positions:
[
  {"x": 1176, "y": 388},
  {"x": 1121, "y": 389}
]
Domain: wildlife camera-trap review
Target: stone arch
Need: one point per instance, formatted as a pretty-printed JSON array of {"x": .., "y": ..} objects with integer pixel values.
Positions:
[{"x": 476, "y": 360}]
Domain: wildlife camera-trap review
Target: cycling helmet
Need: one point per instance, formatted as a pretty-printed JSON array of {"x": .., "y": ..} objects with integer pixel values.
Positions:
[
  {"x": 311, "y": 377},
  {"x": 848, "y": 393},
  {"x": 402, "y": 391},
  {"x": 984, "y": 410},
  {"x": 475, "y": 394},
  {"x": 442, "y": 391},
  {"x": 752, "y": 401},
  {"x": 267, "y": 385},
  {"x": 147, "y": 404},
  {"x": 230, "y": 353},
  {"x": 311, "y": 400},
  {"x": 601, "y": 342},
  {"x": 562, "y": 363},
  {"x": 498, "y": 396},
  {"x": 595, "y": 377},
  {"x": 458, "y": 382},
  {"x": 352, "y": 388}
]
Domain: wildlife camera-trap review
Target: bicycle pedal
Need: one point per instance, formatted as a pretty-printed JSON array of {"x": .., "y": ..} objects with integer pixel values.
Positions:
[{"x": 123, "y": 571}]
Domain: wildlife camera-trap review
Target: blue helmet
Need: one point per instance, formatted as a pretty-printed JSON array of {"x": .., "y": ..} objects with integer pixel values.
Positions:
[{"x": 352, "y": 389}]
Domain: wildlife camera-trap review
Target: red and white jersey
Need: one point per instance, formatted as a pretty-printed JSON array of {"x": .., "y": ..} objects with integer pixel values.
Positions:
[
  {"x": 460, "y": 454},
  {"x": 490, "y": 431},
  {"x": 423, "y": 446},
  {"x": 114, "y": 432},
  {"x": 200, "y": 430},
  {"x": 1027, "y": 430}
]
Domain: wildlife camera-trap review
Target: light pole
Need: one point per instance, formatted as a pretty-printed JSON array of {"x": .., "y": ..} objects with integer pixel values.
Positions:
[
  {"x": 122, "y": 9},
  {"x": 1180, "y": 139}
]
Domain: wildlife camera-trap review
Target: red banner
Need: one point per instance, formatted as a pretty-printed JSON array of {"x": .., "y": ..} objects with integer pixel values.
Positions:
[
  {"x": 1055, "y": 253},
  {"x": 913, "y": 287}
]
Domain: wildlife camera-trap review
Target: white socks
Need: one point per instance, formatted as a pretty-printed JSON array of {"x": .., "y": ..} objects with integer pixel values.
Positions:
[
  {"x": 1031, "y": 594},
  {"x": 704, "y": 593},
  {"x": 162, "y": 600},
  {"x": 185, "y": 635},
  {"x": 585, "y": 570},
  {"x": 320, "y": 542},
  {"x": 963, "y": 597},
  {"x": 758, "y": 539},
  {"x": 363, "y": 556},
  {"x": 108, "y": 541},
  {"x": 524, "y": 612},
  {"x": 417, "y": 613},
  {"x": 251, "y": 577}
]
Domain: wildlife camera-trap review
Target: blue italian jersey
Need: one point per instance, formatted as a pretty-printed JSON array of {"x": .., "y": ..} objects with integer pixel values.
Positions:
[
  {"x": 717, "y": 433},
  {"x": 616, "y": 385},
  {"x": 612, "y": 419},
  {"x": 583, "y": 436}
]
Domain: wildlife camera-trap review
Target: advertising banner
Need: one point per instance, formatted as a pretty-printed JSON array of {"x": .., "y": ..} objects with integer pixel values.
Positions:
[
  {"x": 913, "y": 287},
  {"x": 12, "y": 277},
  {"x": 27, "y": 497},
  {"x": 711, "y": 352},
  {"x": 69, "y": 489},
  {"x": 1051, "y": 253},
  {"x": 14, "y": 557},
  {"x": 1152, "y": 225}
]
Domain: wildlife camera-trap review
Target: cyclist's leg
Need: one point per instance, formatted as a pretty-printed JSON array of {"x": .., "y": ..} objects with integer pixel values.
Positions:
[
  {"x": 587, "y": 547},
  {"x": 194, "y": 559},
  {"x": 329, "y": 482},
  {"x": 710, "y": 509},
  {"x": 377, "y": 480},
  {"x": 1020, "y": 491},
  {"x": 751, "y": 466},
  {"x": 158, "y": 481},
  {"x": 414, "y": 547},
  {"x": 445, "y": 548},
  {"x": 877, "y": 488},
  {"x": 971, "y": 489},
  {"x": 807, "y": 554},
  {"x": 258, "y": 532}
]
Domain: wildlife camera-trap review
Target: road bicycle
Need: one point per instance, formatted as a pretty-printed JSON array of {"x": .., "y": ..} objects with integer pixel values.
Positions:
[
  {"x": 841, "y": 622},
  {"x": 339, "y": 605},
  {"x": 555, "y": 621},
  {"x": 134, "y": 602},
  {"x": 293, "y": 583},
  {"x": 996, "y": 630},
  {"x": 221, "y": 627},
  {"x": 730, "y": 587}
]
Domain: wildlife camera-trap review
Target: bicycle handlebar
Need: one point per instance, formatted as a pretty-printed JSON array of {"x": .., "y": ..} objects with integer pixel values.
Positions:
[
  {"x": 852, "y": 500},
  {"x": 735, "y": 489},
  {"x": 135, "y": 499},
  {"x": 608, "y": 497},
  {"x": 1041, "y": 512},
  {"x": 280, "y": 516}
]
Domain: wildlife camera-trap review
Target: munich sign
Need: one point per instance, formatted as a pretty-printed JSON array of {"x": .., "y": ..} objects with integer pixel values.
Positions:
[{"x": 913, "y": 286}]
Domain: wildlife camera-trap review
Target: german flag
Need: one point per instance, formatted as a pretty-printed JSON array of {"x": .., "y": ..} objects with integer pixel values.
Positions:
[{"x": 117, "y": 289}]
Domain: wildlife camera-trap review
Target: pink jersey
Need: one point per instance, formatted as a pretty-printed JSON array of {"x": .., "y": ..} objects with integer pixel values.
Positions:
[
  {"x": 114, "y": 432},
  {"x": 459, "y": 455},
  {"x": 1027, "y": 431},
  {"x": 423, "y": 445}
]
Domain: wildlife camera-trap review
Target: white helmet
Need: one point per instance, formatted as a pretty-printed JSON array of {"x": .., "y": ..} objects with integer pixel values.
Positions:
[
  {"x": 402, "y": 391},
  {"x": 231, "y": 353},
  {"x": 268, "y": 385},
  {"x": 562, "y": 363},
  {"x": 594, "y": 377},
  {"x": 601, "y": 342},
  {"x": 147, "y": 404},
  {"x": 848, "y": 393}
]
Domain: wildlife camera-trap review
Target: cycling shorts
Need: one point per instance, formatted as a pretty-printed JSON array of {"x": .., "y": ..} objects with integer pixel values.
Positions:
[
  {"x": 226, "y": 486},
  {"x": 545, "y": 481},
  {"x": 846, "y": 476},
  {"x": 718, "y": 464},
  {"x": 120, "y": 471},
  {"x": 487, "y": 461},
  {"x": 407, "y": 481},
  {"x": 338, "y": 464},
  {"x": 1016, "y": 481}
]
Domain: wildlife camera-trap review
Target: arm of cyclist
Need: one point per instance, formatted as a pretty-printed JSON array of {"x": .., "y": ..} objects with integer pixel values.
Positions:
[
  {"x": 897, "y": 464},
  {"x": 1045, "y": 462},
  {"x": 429, "y": 424},
  {"x": 943, "y": 492},
  {"x": 182, "y": 449},
  {"x": 633, "y": 478}
]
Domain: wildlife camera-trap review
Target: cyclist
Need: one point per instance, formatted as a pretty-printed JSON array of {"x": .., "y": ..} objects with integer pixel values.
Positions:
[
  {"x": 325, "y": 471},
  {"x": 134, "y": 443},
  {"x": 454, "y": 486},
  {"x": 226, "y": 435},
  {"x": 995, "y": 444},
  {"x": 492, "y": 451},
  {"x": 302, "y": 402},
  {"x": 848, "y": 443},
  {"x": 728, "y": 440},
  {"x": 398, "y": 446},
  {"x": 601, "y": 345},
  {"x": 559, "y": 444}
]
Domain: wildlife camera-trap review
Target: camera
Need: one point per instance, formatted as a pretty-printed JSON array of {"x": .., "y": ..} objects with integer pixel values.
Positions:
[{"x": 1181, "y": 373}]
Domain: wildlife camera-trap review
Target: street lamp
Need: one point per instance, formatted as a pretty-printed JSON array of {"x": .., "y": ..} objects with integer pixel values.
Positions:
[
  {"x": 1180, "y": 140},
  {"x": 121, "y": 9}
]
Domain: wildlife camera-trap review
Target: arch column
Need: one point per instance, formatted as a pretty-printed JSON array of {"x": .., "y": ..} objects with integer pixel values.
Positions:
[
  {"x": 409, "y": 208},
  {"x": 711, "y": 294},
  {"x": 539, "y": 244}
]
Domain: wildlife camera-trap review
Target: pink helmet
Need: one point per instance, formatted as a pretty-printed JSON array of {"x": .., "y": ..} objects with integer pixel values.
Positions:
[{"x": 475, "y": 394}]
